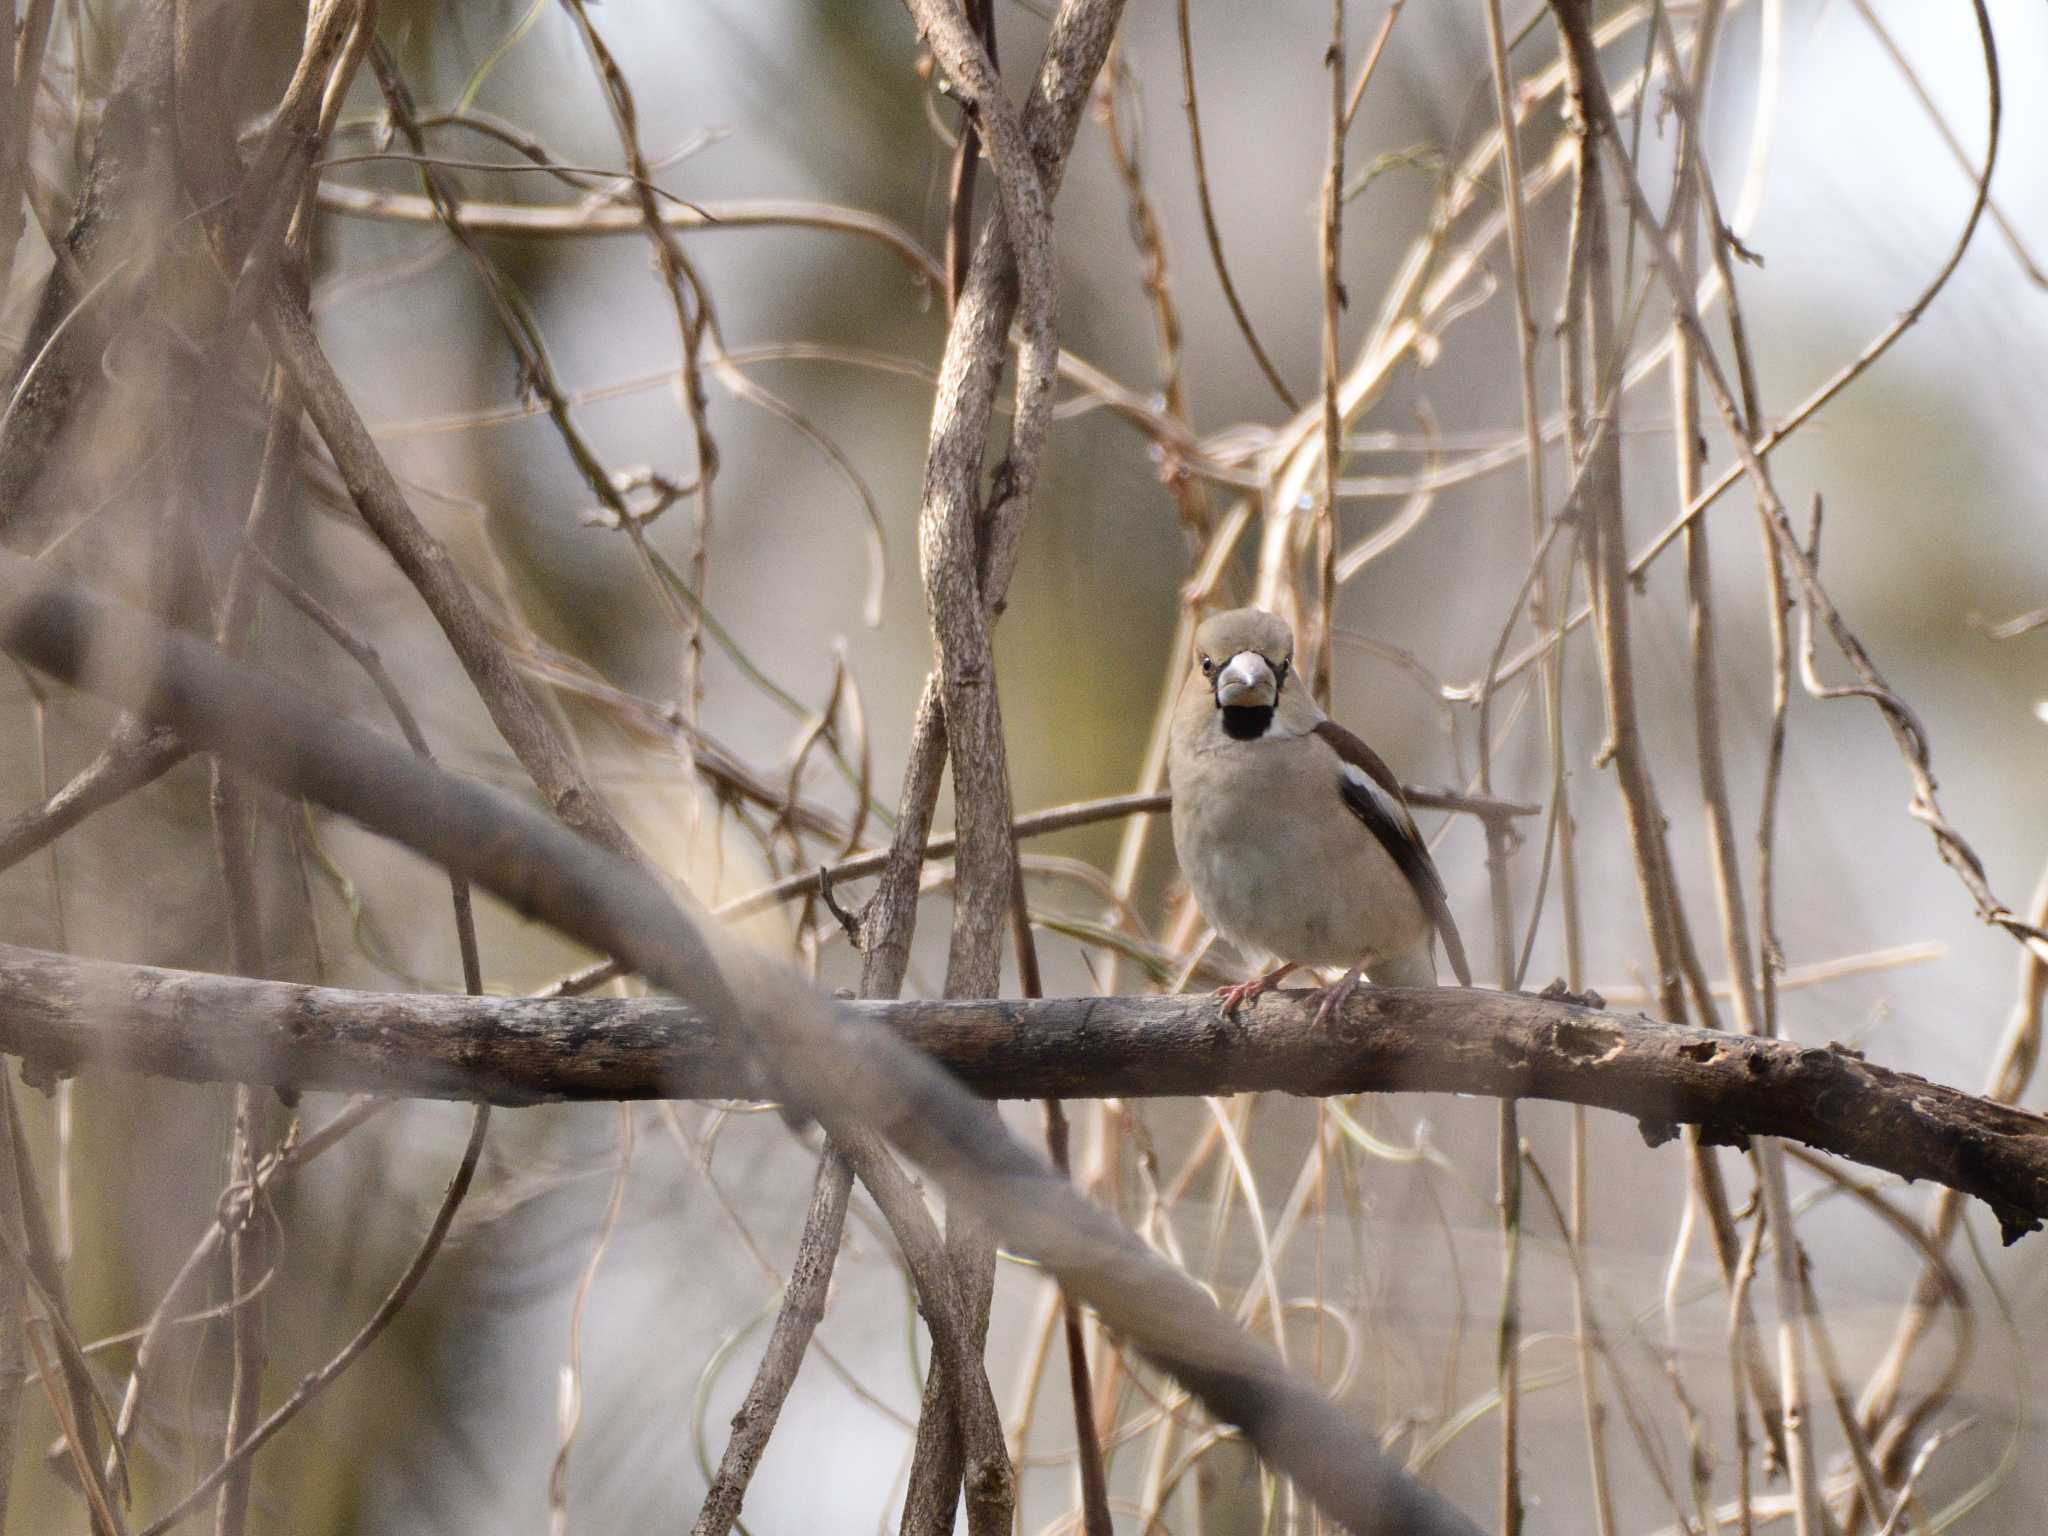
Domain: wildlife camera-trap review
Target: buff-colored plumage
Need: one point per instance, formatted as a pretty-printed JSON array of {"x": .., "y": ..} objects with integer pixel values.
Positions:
[{"x": 1292, "y": 834}]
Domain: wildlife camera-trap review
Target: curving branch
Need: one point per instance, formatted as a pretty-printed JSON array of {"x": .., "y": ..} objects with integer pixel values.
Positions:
[
  {"x": 63, "y": 1014},
  {"x": 968, "y": 547},
  {"x": 851, "y": 1079}
]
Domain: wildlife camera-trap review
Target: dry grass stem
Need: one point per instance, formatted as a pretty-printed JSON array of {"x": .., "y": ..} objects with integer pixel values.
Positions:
[{"x": 559, "y": 393}]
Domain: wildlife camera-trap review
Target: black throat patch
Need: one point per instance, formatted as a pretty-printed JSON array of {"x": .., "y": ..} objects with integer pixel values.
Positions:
[{"x": 1245, "y": 722}]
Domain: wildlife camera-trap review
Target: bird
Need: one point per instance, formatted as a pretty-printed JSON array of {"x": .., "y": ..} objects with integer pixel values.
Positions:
[{"x": 1294, "y": 836}]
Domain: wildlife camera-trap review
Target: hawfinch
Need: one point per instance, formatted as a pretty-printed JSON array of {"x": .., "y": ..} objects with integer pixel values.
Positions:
[{"x": 1293, "y": 834}]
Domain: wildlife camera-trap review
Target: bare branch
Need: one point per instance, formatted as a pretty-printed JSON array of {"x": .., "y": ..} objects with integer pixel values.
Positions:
[
  {"x": 67, "y": 1014},
  {"x": 1209, "y": 229},
  {"x": 967, "y": 549},
  {"x": 317, "y": 1381},
  {"x": 135, "y": 755},
  {"x": 803, "y": 1308},
  {"x": 425, "y": 561},
  {"x": 1085, "y": 813},
  {"x": 539, "y": 221},
  {"x": 826, "y": 1063}
]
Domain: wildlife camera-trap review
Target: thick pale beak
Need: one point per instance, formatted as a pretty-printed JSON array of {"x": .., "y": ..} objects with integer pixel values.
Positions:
[{"x": 1247, "y": 679}]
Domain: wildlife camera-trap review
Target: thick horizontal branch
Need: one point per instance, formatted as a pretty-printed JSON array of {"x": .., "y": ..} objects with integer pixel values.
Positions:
[
  {"x": 853, "y": 1079},
  {"x": 61, "y": 1014}
]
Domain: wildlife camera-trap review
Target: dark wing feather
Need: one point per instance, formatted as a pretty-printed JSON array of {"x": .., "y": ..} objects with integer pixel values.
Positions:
[{"x": 1397, "y": 835}]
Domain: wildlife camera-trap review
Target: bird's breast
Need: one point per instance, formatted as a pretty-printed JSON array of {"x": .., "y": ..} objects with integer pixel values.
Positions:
[{"x": 1278, "y": 862}]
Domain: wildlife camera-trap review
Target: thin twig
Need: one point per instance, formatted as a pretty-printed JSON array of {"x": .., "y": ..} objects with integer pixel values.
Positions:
[
  {"x": 1083, "y": 813},
  {"x": 1095, "y": 1517},
  {"x": 2012, "y": 629},
  {"x": 1209, "y": 228},
  {"x": 959, "y": 1388},
  {"x": 427, "y": 564},
  {"x": 2018, "y": 246},
  {"x": 690, "y": 302},
  {"x": 1591, "y": 354},
  {"x": 2012, "y": 1068},
  {"x": 571, "y": 1414},
  {"x": 275, "y": 1169},
  {"x": 803, "y": 1308},
  {"x": 136, "y": 755},
  {"x": 317, "y": 1381},
  {"x": 1315, "y": 639}
]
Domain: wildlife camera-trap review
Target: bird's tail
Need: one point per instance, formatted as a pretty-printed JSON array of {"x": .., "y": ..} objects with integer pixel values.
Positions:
[{"x": 1454, "y": 947}]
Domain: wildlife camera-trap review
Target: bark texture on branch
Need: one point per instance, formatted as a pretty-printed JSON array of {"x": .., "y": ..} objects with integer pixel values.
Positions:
[
  {"x": 967, "y": 548},
  {"x": 850, "y": 1078},
  {"x": 61, "y": 1014}
]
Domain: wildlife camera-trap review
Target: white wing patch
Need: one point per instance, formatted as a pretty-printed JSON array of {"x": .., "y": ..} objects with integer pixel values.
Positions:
[{"x": 1395, "y": 812}]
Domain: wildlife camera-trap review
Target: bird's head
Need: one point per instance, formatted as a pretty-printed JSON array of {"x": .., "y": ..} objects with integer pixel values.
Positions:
[{"x": 1245, "y": 657}]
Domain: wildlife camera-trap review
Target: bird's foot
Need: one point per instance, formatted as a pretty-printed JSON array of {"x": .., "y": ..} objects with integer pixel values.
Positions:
[
  {"x": 1235, "y": 997},
  {"x": 1334, "y": 998}
]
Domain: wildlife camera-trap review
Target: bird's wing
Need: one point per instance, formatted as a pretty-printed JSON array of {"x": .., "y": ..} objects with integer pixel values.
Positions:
[{"x": 1374, "y": 795}]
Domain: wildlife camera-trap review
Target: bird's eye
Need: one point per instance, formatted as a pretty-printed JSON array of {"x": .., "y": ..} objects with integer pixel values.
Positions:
[
  {"x": 1208, "y": 667},
  {"x": 1280, "y": 672}
]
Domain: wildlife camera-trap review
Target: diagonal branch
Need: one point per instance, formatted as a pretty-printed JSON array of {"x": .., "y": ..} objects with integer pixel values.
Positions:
[
  {"x": 803, "y": 1308},
  {"x": 136, "y": 755},
  {"x": 849, "y": 1077},
  {"x": 426, "y": 563}
]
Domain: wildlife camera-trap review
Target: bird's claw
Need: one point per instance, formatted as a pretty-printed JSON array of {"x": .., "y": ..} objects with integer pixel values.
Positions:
[
  {"x": 1336, "y": 997},
  {"x": 1237, "y": 995}
]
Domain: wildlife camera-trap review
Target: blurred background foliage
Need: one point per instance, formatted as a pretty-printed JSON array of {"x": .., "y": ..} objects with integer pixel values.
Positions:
[{"x": 676, "y": 1220}]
